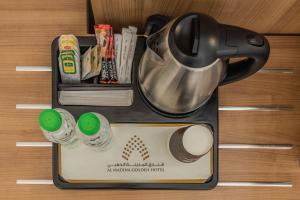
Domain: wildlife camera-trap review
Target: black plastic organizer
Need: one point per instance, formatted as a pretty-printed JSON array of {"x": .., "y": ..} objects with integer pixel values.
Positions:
[{"x": 139, "y": 112}]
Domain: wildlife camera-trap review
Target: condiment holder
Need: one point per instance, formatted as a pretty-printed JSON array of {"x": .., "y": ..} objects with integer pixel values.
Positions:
[{"x": 140, "y": 157}]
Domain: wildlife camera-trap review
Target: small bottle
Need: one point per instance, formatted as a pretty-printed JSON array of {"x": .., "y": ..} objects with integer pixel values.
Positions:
[
  {"x": 58, "y": 126},
  {"x": 94, "y": 131}
]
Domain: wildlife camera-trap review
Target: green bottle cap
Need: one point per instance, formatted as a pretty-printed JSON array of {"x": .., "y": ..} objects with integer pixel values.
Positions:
[
  {"x": 50, "y": 120},
  {"x": 89, "y": 123}
]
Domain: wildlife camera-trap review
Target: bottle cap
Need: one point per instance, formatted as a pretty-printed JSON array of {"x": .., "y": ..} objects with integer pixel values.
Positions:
[
  {"x": 50, "y": 120},
  {"x": 89, "y": 123}
]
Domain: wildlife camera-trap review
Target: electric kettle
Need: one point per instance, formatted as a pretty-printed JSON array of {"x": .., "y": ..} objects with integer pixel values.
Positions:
[{"x": 186, "y": 60}]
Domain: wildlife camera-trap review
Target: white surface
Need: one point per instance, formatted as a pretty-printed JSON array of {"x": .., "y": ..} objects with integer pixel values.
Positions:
[
  {"x": 118, "y": 38},
  {"x": 33, "y": 106},
  {"x": 221, "y": 108},
  {"x": 221, "y": 146},
  {"x": 34, "y": 144},
  {"x": 220, "y": 184},
  {"x": 85, "y": 164},
  {"x": 255, "y": 184},
  {"x": 34, "y": 182},
  {"x": 256, "y": 146},
  {"x": 33, "y": 69},
  {"x": 197, "y": 140},
  {"x": 254, "y": 108},
  {"x": 277, "y": 70}
]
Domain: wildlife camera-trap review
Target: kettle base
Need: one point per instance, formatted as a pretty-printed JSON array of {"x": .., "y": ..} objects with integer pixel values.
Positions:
[{"x": 156, "y": 108}]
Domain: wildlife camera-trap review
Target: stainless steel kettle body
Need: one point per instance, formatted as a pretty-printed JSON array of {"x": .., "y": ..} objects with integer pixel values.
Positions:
[
  {"x": 170, "y": 83},
  {"x": 171, "y": 86}
]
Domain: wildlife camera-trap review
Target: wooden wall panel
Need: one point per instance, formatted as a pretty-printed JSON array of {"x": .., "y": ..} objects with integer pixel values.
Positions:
[
  {"x": 289, "y": 22},
  {"x": 265, "y": 16}
]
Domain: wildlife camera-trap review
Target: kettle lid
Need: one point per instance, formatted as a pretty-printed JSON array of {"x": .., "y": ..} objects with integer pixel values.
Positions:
[{"x": 194, "y": 39}]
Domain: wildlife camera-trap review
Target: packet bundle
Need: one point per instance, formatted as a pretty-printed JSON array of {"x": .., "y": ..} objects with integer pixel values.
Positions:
[
  {"x": 117, "y": 52},
  {"x": 105, "y": 41},
  {"x": 91, "y": 65},
  {"x": 128, "y": 43},
  {"x": 69, "y": 59}
]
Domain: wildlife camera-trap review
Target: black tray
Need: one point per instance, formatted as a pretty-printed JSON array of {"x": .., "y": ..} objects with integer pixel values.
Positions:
[{"x": 140, "y": 111}]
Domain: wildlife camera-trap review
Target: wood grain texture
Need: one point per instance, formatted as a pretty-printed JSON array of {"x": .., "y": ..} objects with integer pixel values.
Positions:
[
  {"x": 48, "y": 192},
  {"x": 27, "y": 30},
  {"x": 265, "y": 16}
]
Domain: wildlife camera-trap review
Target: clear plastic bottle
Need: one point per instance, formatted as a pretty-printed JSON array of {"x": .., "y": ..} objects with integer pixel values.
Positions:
[
  {"x": 94, "y": 131},
  {"x": 58, "y": 126}
]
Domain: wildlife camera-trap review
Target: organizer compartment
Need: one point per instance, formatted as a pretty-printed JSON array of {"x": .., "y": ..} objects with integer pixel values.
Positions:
[
  {"x": 139, "y": 112},
  {"x": 68, "y": 94}
]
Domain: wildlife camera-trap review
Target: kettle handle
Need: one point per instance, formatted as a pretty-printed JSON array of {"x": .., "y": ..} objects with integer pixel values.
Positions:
[
  {"x": 239, "y": 42},
  {"x": 154, "y": 23}
]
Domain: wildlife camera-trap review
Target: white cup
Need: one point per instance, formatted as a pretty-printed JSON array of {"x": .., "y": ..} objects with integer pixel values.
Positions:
[{"x": 190, "y": 143}]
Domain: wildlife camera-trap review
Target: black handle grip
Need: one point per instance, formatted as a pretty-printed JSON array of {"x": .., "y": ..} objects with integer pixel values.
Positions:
[
  {"x": 154, "y": 23},
  {"x": 195, "y": 35},
  {"x": 239, "y": 42}
]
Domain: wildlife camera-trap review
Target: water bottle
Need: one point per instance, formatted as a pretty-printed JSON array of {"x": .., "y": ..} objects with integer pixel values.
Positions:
[
  {"x": 94, "y": 131},
  {"x": 58, "y": 126}
]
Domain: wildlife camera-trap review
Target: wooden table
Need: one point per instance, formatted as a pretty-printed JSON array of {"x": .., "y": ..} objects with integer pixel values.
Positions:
[{"x": 26, "y": 33}]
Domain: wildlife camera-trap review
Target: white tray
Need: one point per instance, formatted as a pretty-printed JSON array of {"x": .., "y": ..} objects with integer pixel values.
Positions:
[{"x": 124, "y": 164}]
